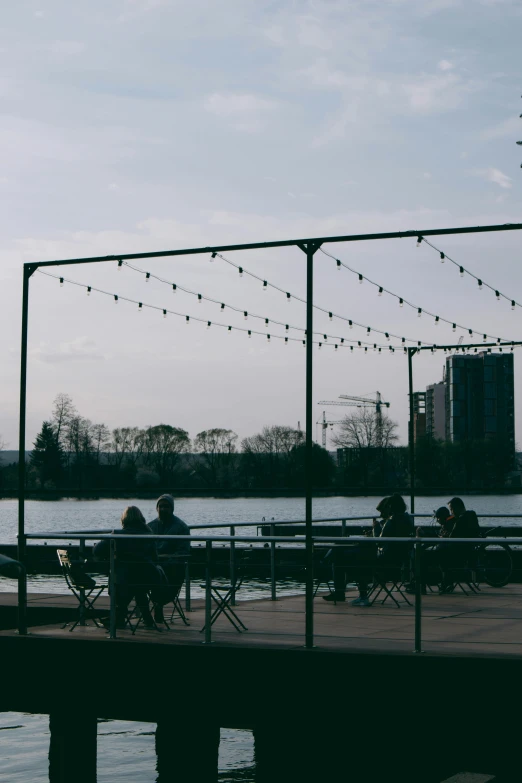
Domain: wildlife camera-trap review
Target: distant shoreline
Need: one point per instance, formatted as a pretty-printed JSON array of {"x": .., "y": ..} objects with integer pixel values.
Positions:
[{"x": 123, "y": 494}]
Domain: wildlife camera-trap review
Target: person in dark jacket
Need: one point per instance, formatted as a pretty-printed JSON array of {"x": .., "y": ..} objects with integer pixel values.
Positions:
[
  {"x": 362, "y": 559},
  {"x": 461, "y": 524},
  {"x": 137, "y": 571},
  {"x": 173, "y": 552}
]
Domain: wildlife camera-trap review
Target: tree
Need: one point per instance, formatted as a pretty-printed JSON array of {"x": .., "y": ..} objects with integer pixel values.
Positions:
[
  {"x": 360, "y": 430},
  {"x": 47, "y": 455},
  {"x": 63, "y": 412},
  {"x": 126, "y": 446},
  {"x": 101, "y": 437},
  {"x": 215, "y": 449},
  {"x": 162, "y": 446},
  {"x": 269, "y": 458}
]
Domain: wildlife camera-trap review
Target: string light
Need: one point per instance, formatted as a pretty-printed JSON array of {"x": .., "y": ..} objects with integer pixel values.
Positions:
[
  {"x": 265, "y": 285},
  {"x": 401, "y": 302},
  {"x": 497, "y": 294},
  {"x": 288, "y": 297},
  {"x": 330, "y": 316},
  {"x": 245, "y": 315},
  {"x": 380, "y": 291},
  {"x": 174, "y": 287},
  {"x": 286, "y": 341},
  {"x": 120, "y": 264},
  {"x": 419, "y": 312},
  {"x": 419, "y": 241},
  {"x": 512, "y": 304},
  {"x": 200, "y": 298},
  {"x": 240, "y": 271},
  {"x": 437, "y": 319},
  {"x": 462, "y": 271},
  {"x": 442, "y": 257},
  {"x": 61, "y": 282},
  {"x": 147, "y": 277},
  {"x": 479, "y": 284},
  {"x": 454, "y": 327},
  {"x": 361, "y": 279},
  {"x": 338, "y": 265},
  {"x": 212, "y": 256},
  {"x": 222, "y": 306},
  {"x": 141, "y": 305}
]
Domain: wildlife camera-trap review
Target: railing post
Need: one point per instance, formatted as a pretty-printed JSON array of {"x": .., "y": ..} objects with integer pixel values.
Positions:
[
  {"x": 208, "y": 594},
  {"x": 112, "y": 590},
  {"x": 188, "y": 605},
  {"x": 233, "y": 566},
  {"x": 343, "y": 528},
  {"x": 81, "y": 558},
  {"x": 418, "y": 597},
  {"x": 273, "y": 564}
]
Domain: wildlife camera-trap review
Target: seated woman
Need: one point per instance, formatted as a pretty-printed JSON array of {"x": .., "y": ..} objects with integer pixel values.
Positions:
[
  {"x": 136, "y": 566},
  {"x": 362, "y": 558}
]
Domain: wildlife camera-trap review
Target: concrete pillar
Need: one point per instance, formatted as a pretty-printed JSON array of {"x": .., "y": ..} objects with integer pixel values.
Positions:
[
  {"x": 72, "y": 748},
  {"x": 186, "y": 753}
]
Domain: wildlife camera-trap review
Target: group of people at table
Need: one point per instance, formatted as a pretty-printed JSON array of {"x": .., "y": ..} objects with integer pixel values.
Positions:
[
  {"x": 153, "y": 570},
  {"x": 148, "y": 569},
  {"x": 359, "y": 562}
]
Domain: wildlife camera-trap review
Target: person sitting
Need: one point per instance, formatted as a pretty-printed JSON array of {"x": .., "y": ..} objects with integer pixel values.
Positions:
[
  {"x": 363, "y": 558},
  {"x": 137, "y": 571},
  {"x": 173, "y": 554},
  {"x": 460, "y": 524}
]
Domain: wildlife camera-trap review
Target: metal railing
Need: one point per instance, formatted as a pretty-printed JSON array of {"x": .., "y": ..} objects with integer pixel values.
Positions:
[{"x": 416, "y": 545}]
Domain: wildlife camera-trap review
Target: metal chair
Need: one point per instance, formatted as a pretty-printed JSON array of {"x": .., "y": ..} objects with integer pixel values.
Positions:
[
  {"x": 84, "y": 588},
  {"x": 222, "y": 596}
]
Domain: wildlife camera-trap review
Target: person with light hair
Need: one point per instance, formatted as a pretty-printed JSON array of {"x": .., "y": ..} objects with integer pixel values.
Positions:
[{"x": 137, "y": 571}]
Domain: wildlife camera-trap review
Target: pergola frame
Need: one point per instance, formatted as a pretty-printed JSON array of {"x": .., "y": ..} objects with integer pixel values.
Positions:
[{"x": 309, "y": 248}]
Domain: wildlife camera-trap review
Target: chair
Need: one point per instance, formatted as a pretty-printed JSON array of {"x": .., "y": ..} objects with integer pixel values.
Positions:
[
  {"x": 222, "y": 596},
  {"x": 84, "y": 588},
  {"x": 397, "y": 576}
]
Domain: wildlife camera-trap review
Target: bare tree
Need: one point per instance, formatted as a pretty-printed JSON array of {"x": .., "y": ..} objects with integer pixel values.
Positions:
[
  {"x": 63, "y": 411},
  {"x": 360, "y": 430},
  {"x": 126, "y": 445},
  {"x": 215, "y": 448},
  {"x": 100, "y": 436},
  {"x": 162, "y": 446}
]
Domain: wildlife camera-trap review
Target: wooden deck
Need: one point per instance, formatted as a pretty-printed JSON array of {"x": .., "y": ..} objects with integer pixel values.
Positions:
[{"x": 488, "y": 624}]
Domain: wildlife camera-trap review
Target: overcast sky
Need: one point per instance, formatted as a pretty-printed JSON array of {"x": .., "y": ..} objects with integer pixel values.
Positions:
[{"x": 134, "y": 125}]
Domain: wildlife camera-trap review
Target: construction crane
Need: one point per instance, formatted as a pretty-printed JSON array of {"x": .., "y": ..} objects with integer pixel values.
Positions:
[
  {"x": 361, "y": 402},
  {"x": 324, "y": 426}
]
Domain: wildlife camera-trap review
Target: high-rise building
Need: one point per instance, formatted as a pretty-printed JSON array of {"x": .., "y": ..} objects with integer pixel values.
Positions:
[
  {"x": 419, "y": 415},
  {"x": 436, "y": 410},
  {"x": 480, "y": 397}
]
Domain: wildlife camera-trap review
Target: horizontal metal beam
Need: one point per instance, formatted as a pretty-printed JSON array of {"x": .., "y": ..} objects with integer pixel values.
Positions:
[
  {"x": 280, "y": 243},
  {"x": 436, "y": 346}
]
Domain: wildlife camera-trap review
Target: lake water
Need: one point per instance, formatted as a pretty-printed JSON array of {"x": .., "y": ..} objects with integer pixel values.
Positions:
[{"x": 126, "y": 751}]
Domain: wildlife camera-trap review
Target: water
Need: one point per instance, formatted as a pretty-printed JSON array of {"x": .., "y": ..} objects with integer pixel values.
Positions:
[
  {"x": 74, "y": 515},
  {"x": 125, "y": 751}
]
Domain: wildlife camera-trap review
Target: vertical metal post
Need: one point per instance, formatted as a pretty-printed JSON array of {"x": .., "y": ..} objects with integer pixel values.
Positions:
[
  {"x": 22, "y": 577},
  {"x": 418, "y": 597},
  {"x": 81, "y": 558},
  {"x": 112, "y": 590},
  {"x": 343, "y": 528},
  {"x": 411, "y": 439},
  {"x": 273, "y": 564},
  {"x": 233, "y": 566},
  {"x": 188, "y": 605},
  {"x": 310, "y": 248},
  {"x": 208, "y": 595}
]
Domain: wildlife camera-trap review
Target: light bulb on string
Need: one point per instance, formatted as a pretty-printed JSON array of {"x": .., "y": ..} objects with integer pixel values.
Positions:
[
  {"x": 212, "y": 256},
  {"x": 222, "y": 306},
  {"x": 461, "y": 270},
  {"x": 419, "y": 312},
  {"x": 387, "y": 335},
  {"x": 200, "y": 298},
  {"x": 437, "y": 319},
  {"x": 245, "y": 315},
  {"x": 484, "y": 339},
  {"x": 229, "y": 329},
  {"x": 266, "y": 321},
  {"x": 442, "y": 257},
  {"x": 120, "y": 263},
  {"x": 209, "y": 324},
  {"x": 240, "y": 270},
  {"x": 325, "y": 337},
  {"x": 512, "y": 304},
  {"x": 286, "y": 340},
  {"x": 380, "y": 291},
  {"x": 335, "y": 346},
  {"x": 268, "y": 338},
  {"x": 497, "y": 294},
  {"x": 147, "y": 277},
  {"x": 140, "y": 307},
  {"x": 338, "y": 265},
  {"x": 61, "y": 282},
  {"x": 116, "y": 298},
  {"x": 187, "y": 319},
  {"x": 454, "y": 328},
  {"x": 288, "y": 296},
  {"x": 89, "y": 290},
  {"x": 164, "y": 314},
  {"x": 330, "y": 316},
  {"x": 342, "y": 340},
  {"x": 360, "y": 279},
  {"x": 319, "y": 344},
  {"x": 249, "y": 333},
  {"x": 174, "y": 287},
  {"x": 419, "y": 240},
  {"x": 479, "y": 281},
  {"x": 401, "y": 302},
  {"x": 350, "y": 324},
  {"x": 265, "y": 285},
  {"x": 287, "y": 327}
]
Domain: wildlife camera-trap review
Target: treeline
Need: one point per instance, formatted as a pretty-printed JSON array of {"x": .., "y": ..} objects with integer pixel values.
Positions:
[{"x": 73, "y": 453}]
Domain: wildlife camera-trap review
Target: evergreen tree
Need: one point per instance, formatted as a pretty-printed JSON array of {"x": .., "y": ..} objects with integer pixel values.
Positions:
[{"x": 47, "y": 456}]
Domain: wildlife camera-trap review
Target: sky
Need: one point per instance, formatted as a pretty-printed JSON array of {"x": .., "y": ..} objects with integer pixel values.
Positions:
[{"x": 140, "y": 125}]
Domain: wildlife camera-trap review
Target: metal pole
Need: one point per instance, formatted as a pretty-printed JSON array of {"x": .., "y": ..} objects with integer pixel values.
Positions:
[
  {"x": 411, "y": 440},
  {"x": 233, "y": 566},
  {"x": 188, "y": 605},
  {"x": 273, "y": 565},
  {"x": 343, "y": 528},
  {"x": 208, "y": 594},
  {"x": 418, "y": 597},
  {"x": 112, "y": 590},
  {"x": 22, "y": 577},
  {"x": 310, "y": 248},
  {"x": 81, "y": 558}
]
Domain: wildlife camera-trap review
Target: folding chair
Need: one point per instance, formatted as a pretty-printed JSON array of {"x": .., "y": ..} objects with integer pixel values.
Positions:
[
  {"x": 84, "y": 588},
  {"x": 397, "y": 576},
  {"x": 222, "y": 597}
]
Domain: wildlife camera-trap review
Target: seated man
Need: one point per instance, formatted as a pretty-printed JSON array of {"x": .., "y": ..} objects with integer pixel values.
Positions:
[
  {"x": 364, "y": 558},
  {"x": 172, "y": 554}
]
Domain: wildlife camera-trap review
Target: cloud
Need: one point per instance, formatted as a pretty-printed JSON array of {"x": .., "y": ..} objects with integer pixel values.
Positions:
[
  {"x": 245, "y": 111},
  {"x": 494, "y": 175},
  {"x": 80, "y": 349},
  {"x": 509, "y": 127},
  {"x": 430, "y": 94},
  {"x": 445, "y": 65}
]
